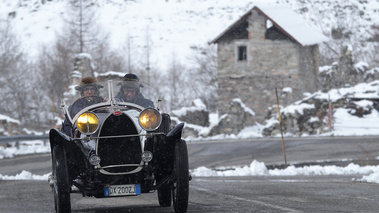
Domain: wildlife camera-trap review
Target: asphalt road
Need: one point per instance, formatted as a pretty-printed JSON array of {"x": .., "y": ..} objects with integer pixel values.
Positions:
[
  {"x": 227, "y": 194},
  {"x": 363, "y": 150}
]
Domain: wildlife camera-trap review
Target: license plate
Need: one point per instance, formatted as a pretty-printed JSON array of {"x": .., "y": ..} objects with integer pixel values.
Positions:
[{"x": 122, "y": 190}]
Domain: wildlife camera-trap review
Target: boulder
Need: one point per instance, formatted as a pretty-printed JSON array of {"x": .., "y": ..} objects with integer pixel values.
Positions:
[
  {"x": 238, "y": 117},
  {"x": 197, "y": 114}
]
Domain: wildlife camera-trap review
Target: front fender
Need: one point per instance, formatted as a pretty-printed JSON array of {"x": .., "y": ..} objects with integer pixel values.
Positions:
[
  {"x": 73, "y": 151},
  {"x": 176, "y": 133},
  {"x": 166, "y": 153},
  {"x": 58, "y": 138}
]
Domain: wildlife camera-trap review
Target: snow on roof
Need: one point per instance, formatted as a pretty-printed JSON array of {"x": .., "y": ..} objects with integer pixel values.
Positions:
[
  {"x": 287, "y": 21},
  {"x": 110, "y": 73},
  {"x": 84, "y": 55},
  {"x": 76, "y": 74},
  {"x": 292, "y": 24}
]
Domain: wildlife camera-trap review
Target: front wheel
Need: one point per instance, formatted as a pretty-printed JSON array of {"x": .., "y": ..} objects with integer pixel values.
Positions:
[
  {"x": 180, "y": 191},
  {"x": 164, "y": 196},
  {"x": 61, "y": 181}
]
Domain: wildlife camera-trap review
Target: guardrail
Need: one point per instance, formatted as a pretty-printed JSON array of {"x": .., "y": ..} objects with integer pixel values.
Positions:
[{"x": 18, "y": 138}]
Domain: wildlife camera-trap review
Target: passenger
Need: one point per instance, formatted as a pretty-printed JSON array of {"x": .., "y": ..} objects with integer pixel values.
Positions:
[
  {"x": 89, "y": 91},
  {"x": 130, "y": 91}
]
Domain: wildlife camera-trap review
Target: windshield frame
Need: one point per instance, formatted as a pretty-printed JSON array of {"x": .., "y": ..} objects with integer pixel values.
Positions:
[{"x": 110, "y": 102}]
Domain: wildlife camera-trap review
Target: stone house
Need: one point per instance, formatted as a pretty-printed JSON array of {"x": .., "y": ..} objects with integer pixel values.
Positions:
[{"x": 268, "y": 47}]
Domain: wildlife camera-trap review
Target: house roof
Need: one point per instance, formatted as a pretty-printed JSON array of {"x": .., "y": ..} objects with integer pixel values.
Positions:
[{"x": 287, "y": 21}]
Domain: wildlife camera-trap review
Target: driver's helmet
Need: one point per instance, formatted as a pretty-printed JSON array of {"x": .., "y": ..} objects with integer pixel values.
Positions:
[
  {"x": 130, "y": 81},
  {"x": 88, "y": 81}
]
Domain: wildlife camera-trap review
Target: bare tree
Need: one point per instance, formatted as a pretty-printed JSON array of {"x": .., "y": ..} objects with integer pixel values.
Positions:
[
  {"x": 19, "y": 82},
  {"x": 86, "y": 35},
  {"x": 11, "y": 57},
  {"x": 10, "y": 53},
  {"x": 131, "y": 55},
  {"x": 346, "y": 23},
  {"x": 81, "y": 19},
  {"x": 203, "y": 82},
  {"x": 54, "y": 66},
  {"x": 176, "y": 78},
  {"x": 148, "y": 52},
  {"x": 81, "y": 34}
]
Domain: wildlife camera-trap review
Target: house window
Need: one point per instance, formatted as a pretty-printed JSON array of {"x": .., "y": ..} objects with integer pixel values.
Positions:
[{"x": 242, "y": 53}]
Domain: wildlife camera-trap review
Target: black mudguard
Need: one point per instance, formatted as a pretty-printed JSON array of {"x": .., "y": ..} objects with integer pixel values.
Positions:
[
  {"x": 176, "y": 133},
  {"x": 59, "y": 138},
  {"x": 74, "y": 154},
  {"x": 165, "y": 153}
]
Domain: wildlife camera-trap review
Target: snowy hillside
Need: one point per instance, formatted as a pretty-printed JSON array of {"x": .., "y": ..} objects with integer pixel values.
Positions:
[
  {"x": 174, "y": 26},
  {"x": 171, "y": 26}
]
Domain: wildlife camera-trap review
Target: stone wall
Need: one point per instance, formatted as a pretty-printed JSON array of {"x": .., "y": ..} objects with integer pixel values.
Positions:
[
  {"x": 310, "y": 116},
  {"x": 197, "y": 120},
  {"x": 9, "y": 126},
  {"x": 256, "y": 92},
  {"x": 195, "y": 117},
  {"x": 345, "y": 72},
  {"x": 308, "y": 71},
  {"x": 238, "y": 117}
]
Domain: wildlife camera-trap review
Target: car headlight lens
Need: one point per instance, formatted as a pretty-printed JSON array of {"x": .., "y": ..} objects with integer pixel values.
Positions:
[
  {"x": 94, "y": 160},
  {"x": 147, "y": 156},
  {"x": 87, "y": 123},
  {"x": 150, "y": 119}
]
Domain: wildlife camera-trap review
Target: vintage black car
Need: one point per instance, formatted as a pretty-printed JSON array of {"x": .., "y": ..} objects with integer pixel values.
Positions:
[{"x": 117, "y": 148}]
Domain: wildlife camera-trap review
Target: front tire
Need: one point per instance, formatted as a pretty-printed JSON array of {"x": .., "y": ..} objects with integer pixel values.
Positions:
[
  {"x": 61, "y": 181},
  {"x": 164, "y": 196},
  {"x": 180, "y": 191}
]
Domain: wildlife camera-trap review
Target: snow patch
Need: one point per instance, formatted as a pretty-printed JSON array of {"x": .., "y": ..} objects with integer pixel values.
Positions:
[{"x": 244, "y": 107}]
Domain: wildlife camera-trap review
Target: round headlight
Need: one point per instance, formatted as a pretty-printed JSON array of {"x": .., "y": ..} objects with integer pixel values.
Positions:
[
  {"x": 87, "y": 123},
  {"x": 150, "y": 119},
  {"x": 94, "y": 160},
  {"x": 147, "y": 156}
]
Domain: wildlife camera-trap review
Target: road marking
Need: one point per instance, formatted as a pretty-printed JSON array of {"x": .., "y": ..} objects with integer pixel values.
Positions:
[{"x": 280, "y": 208}]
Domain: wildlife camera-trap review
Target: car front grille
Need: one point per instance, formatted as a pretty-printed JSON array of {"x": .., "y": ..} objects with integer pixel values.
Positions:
[{"x": 119, "y": 155}]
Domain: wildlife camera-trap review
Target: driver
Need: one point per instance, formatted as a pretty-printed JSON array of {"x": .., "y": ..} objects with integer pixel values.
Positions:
[
  {"x": 130, "y": 91},
  {"x": 89, "y": 89}
]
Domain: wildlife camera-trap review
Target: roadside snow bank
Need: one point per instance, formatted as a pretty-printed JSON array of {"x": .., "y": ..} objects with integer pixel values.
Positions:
[{"x": 257, "y": 168}]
